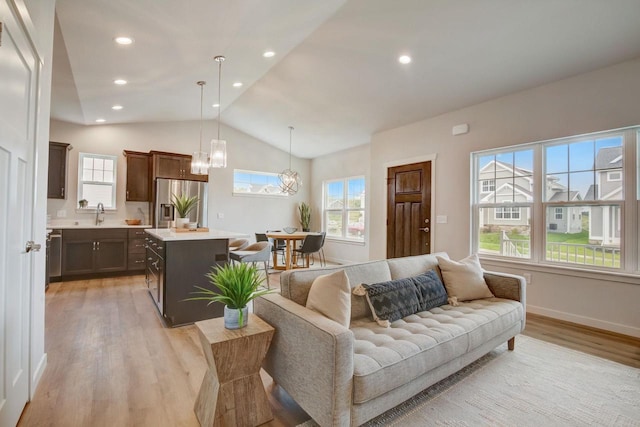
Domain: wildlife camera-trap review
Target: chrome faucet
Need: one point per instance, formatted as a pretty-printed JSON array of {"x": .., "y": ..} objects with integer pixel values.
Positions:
[{"x": 99, "y": 210}]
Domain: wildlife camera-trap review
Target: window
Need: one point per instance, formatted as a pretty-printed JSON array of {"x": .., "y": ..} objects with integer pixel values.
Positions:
[
  {"x": 344, "y": 208},
  {"x": 559, "y": 212},
  {"x": 256, "y": 183},
  {"x": 576, "y": 183},
  {"x": 97, "y": 180},
  {"x": 507, "y": 213},
  {"x": 614, "y": 176},
  {"x": 488, "y": 185}
]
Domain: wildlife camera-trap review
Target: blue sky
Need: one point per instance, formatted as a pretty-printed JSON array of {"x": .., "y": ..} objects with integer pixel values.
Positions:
[
  {"x": 335, "y": 189},
  {"x": 572, "y": 163}
]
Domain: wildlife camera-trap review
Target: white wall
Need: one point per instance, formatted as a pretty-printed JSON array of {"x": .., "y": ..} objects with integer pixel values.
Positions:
[
  {"x": 347, "y": 163},
  {"x": 41, "y": 16},
  {"x": 241, "y": 213},
  {"x": 596, "y": 101}
]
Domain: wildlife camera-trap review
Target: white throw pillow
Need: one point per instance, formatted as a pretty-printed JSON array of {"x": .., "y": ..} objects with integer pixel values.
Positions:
[
  {"x": 330, "y": 295},
  {"x": 463, "y": 279}
]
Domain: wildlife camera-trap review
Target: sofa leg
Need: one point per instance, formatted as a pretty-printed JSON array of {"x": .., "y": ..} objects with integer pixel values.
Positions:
[{"x": 511, "y": 344}]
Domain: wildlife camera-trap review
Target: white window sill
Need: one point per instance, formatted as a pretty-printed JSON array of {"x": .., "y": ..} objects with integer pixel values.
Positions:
[
  {"x": 346, "y": 241},
  {"x": 604, "y": 275}
]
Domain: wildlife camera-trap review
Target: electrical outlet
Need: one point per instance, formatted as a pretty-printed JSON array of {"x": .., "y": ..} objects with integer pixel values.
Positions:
[
  {"x": 220, "y": 215},
  {"x": 61, "y": 213},
  {"x": 527, "y": 277}
]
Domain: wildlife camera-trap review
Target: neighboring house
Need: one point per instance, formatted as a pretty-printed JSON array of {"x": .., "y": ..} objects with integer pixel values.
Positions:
[
  {"x": 564, "y": 219},
  {"x": 605, "y": 221},
  {"x": 503, "y": 183}
]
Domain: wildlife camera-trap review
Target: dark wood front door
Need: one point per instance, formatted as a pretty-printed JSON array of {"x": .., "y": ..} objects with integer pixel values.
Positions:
[{"x": 409, "y": 210}]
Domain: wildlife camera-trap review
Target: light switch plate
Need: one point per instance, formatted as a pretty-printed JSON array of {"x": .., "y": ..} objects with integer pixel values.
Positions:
[
  {"x": 61, "y": 213},
  {"x": 441, "y": 219},
  {"x": 220, "y": 215}
]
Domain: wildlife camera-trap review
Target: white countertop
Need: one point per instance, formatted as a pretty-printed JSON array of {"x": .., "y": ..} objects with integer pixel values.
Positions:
[{"x": 167, "y": 235}]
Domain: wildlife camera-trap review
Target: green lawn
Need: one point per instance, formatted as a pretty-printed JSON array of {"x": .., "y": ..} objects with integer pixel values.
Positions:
[{"x": 569, "y": 254}]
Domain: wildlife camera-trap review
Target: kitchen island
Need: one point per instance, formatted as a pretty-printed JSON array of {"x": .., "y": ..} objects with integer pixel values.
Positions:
[{"x": 176, "y": 263}]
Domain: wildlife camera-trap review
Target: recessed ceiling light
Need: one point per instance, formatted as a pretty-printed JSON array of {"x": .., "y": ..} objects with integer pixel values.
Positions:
[
  {"x": 237, "y": 84},
  {"x": 117, "y": 107},
  {"x": 269, "y": 54},
  {"x": 124, "y": 40},
  {"x": 404, "y": 59},
  {"x": 215, "y": 105},
  {"x": 100, "y": 120},
  {"x": 120, "y": 82}
]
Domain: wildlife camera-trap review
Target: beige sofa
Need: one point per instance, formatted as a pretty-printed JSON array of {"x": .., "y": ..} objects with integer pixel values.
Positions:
[{"x": 345, "y": 377}]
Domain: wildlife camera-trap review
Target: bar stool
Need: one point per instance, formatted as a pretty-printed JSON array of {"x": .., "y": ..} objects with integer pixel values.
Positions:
[{"x": 256, "y": 252}]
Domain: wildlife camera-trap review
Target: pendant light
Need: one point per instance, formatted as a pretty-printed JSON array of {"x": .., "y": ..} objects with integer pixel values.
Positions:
[
  {"x": 218, "y": 157},
  {"x": 289, "y": 180},
  {"x": 200, "y": 159}
]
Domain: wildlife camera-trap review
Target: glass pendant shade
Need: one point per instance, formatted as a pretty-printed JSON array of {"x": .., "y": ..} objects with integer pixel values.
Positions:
[
  {"x": 200, "y": 159},
  {"x": 218, "y": 156},
  {"x": 200, "y": 163}
]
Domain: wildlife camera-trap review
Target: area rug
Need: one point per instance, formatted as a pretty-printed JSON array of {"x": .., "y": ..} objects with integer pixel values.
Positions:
[{"x": 538, "y": 384}]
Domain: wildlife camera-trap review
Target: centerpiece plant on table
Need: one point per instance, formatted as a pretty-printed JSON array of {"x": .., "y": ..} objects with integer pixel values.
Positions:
[{"x": 234, "y": 285}]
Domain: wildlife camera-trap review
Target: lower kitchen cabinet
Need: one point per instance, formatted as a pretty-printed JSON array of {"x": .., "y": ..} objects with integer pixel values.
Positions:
[{"x": 108, "y": 250}]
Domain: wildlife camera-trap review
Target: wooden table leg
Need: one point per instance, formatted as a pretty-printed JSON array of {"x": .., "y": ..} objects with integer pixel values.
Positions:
[{"x": 288, "y": 265}]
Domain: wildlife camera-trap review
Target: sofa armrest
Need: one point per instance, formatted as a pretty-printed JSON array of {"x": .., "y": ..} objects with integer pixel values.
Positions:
[
  {"x": 311, "y": 357},
  {"x": 508, "y": 286}
]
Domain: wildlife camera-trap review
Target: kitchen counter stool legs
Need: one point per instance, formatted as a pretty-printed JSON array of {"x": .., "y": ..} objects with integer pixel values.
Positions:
[{"x": 232, "y": 393}]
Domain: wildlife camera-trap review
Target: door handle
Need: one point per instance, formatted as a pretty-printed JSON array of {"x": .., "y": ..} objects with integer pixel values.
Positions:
[
  {"x": 32, "y": 246},
  {"x": 425, "y": 229}
]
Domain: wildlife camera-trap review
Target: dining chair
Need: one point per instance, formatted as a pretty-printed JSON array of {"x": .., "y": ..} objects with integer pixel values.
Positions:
[
  {"x": 256, "y": 252},
  {"x": 276, "y": 246},
  {"x": 311, "y": 244},
  {"x": 238, "y": 244}
]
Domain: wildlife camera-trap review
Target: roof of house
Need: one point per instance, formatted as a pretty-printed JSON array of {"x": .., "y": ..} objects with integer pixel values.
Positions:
[
  {"x": 563, "y": 196},
  {"x": 609, "y": 157}
]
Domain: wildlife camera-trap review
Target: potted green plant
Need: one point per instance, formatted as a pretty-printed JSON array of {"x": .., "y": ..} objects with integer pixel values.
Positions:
[
  {"x": 236, "y": 284},
  {"x": 305, "y": 216},
  {"x": 83, "y": 203},
  {"x": 183, "y": 205}
]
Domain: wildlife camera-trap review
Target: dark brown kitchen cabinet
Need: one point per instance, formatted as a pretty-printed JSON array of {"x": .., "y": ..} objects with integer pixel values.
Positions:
[
  {"x": 138, "y": 177},
  {"x": 57, "y": 177},
  {"x": 87, "y": 251},
  {"x": 136, "y": 250},
  {"x": 174, "y": 166}
]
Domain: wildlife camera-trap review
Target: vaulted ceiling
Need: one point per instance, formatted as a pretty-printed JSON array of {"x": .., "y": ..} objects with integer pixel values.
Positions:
[{"x": 335, "y": 75}]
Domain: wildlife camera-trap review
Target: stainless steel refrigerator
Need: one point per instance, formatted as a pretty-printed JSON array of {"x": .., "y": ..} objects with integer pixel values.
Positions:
[{"x": 164, "y": 211}]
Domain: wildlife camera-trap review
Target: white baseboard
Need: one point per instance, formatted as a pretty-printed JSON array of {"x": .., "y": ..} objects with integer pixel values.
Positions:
[
  {"x": 37, "y": 375},
  {"x": 587, "y": 321}
]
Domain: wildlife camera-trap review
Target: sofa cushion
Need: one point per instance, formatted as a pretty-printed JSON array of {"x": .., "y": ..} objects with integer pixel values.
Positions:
[
  {"x": 330, "y": 295},
  {"x": 295, "y": 284},
  {"x": 386, "y": 358},
  {"x": 392, "y": 300},
  {"x": 414, "y": 265},
  {"x": 464, "y": 279},
  {"x": 431, "y": 291}
]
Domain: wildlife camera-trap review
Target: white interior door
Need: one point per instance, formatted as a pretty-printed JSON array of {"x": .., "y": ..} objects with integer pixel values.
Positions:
[{"x": 19, "y": 73}]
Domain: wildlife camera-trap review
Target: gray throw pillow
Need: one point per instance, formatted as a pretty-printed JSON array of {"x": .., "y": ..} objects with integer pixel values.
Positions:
[
  {"x": 392, "y": 300},
  {"x": 431, "y": 291}
]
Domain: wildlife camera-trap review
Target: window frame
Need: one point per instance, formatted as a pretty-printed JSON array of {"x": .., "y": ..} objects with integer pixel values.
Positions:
[
  {"x": 345, "y": 210},
  {"x": 113, "y": 184},
  {"x": 626, "y": 206}
]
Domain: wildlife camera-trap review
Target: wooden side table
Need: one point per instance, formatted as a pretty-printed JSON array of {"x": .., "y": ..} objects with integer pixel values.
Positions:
[{"x": 232, "y": 393}]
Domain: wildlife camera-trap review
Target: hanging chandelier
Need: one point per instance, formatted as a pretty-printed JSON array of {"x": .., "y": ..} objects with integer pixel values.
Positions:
[
  {"x": 218, "y": 156},
  {"x": 290, "y": 181},
  {"x": 200, "y": 159}
]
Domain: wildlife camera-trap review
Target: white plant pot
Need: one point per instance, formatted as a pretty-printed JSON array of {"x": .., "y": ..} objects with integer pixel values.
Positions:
[
  {"x": 182, "y": 222},
  {"x": 232, "y": 317}
]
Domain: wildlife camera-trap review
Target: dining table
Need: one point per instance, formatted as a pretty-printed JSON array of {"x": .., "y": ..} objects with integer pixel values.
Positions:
[{"x": 290, "y": 240}]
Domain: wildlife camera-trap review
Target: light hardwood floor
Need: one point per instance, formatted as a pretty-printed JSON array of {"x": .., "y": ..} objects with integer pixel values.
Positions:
[{"x": 112, "y": 363}]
